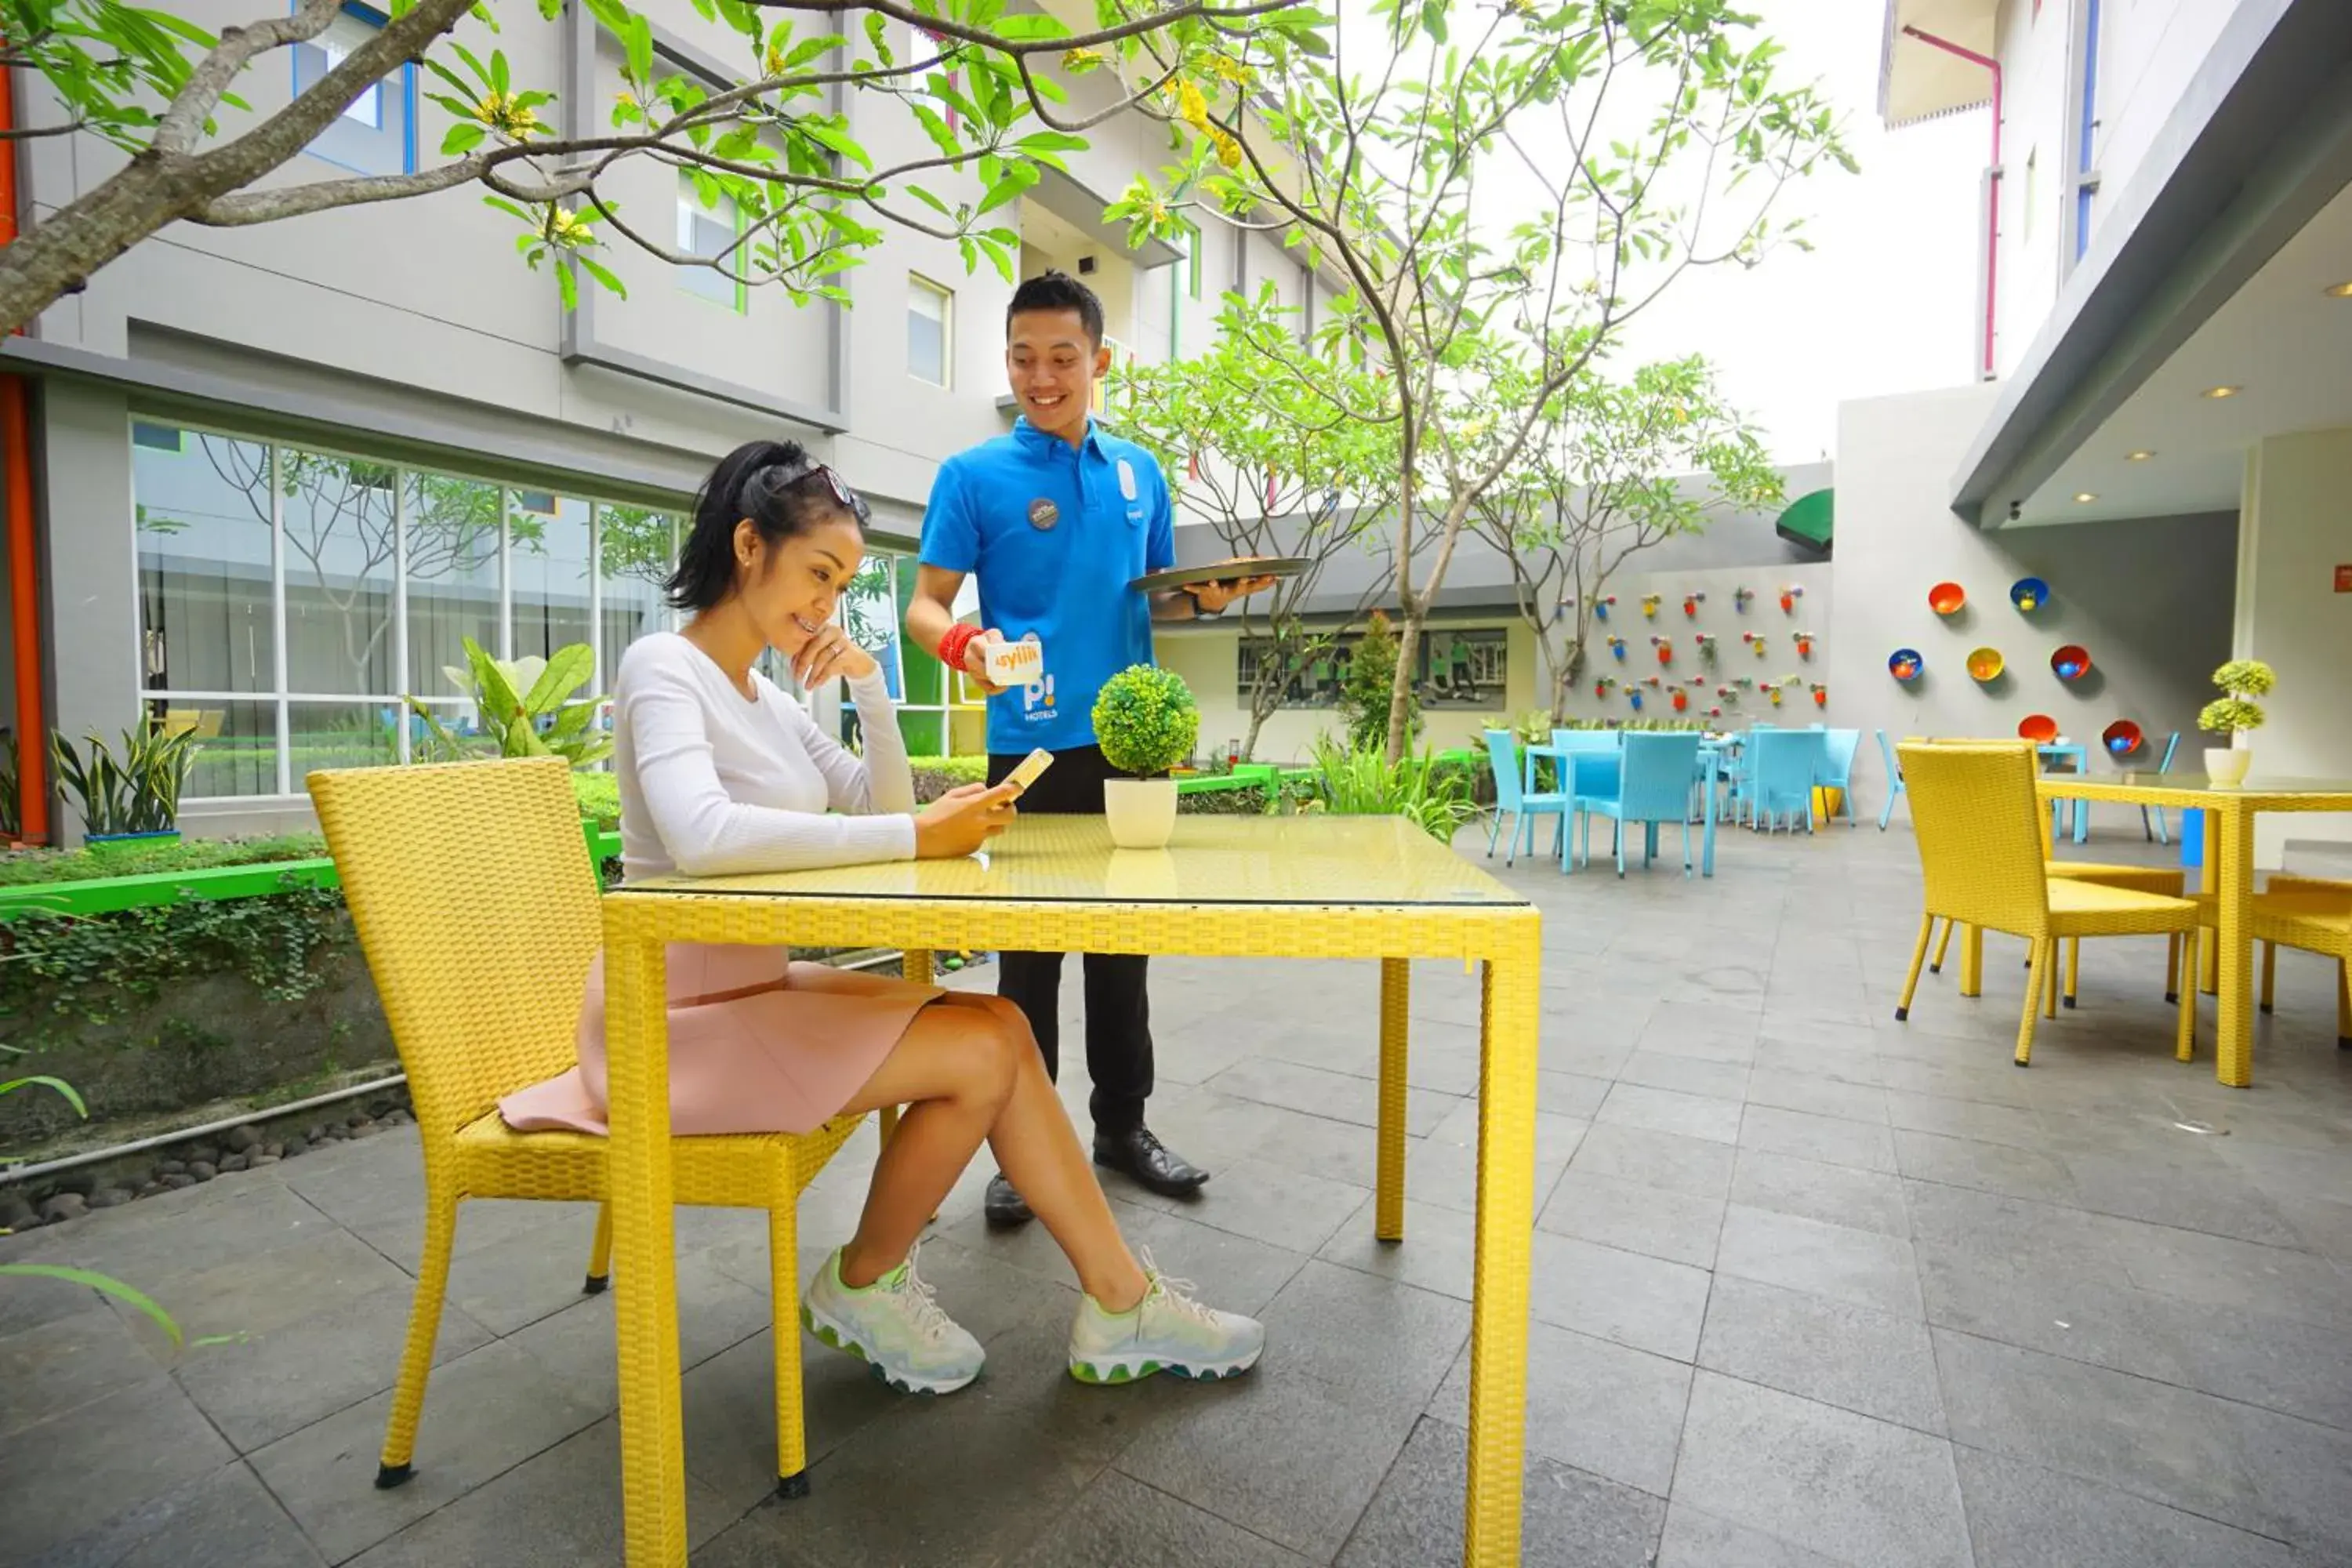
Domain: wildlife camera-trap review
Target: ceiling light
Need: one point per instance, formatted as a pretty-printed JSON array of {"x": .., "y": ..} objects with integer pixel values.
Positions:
[
  {"x": 2142, "y": 456},
  {"x": 2338, "y": 292},
  {"x": 2084, "y": 496},
  {"x": 2217, "y": 392}
]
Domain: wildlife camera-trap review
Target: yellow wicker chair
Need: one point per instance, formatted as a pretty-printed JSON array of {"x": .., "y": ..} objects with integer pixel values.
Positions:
[
  {"x": 1982, "y": 861},
  {"x": 2314, "y": 915},
  {"x": 470, "y": 887}
]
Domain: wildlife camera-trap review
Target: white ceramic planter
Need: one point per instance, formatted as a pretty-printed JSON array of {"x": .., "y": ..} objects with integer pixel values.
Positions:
[
  {"x": 1141, "y": 812},
  {"x": 2227, "y": 768}
]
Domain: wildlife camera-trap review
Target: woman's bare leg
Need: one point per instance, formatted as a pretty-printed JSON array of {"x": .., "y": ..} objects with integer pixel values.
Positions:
[{"x": 968, "y": 1070}]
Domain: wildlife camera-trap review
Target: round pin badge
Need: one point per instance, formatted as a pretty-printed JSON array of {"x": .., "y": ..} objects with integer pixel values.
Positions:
[{"x": 1044, "y": 514}]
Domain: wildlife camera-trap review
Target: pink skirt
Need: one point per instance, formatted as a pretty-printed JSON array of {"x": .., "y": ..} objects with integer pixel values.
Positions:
[{"x": 756, "y": 1044}]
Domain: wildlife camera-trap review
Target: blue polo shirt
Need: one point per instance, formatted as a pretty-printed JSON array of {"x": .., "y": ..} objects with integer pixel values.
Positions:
[{"x": 1055, "y": 534}]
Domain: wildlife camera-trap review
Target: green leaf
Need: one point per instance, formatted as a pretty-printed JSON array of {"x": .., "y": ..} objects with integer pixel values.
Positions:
[
  {"x": 106, "y": 1284},
  {"x": 463, "y": 138},
  {"x": 58, "y": 1084},
  {"x": 603, "y": 275},
  {"x": 567, "y": 283},
  {"x": 570, "y": 668},
  {"x": 638, "y": 36}
]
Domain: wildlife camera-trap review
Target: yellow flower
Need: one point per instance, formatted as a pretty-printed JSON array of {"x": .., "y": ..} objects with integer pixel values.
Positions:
[
  {"x": 568, "y": 229},
  {"x": 505, "y": 113},
  {"x": 1232, "y": 71},
  {"x": 1229, "y": 151},
  {"x": 773, "y": 63},
  {"x": 1193, "y": 107},
  {"x": 1077, "y": 62}
]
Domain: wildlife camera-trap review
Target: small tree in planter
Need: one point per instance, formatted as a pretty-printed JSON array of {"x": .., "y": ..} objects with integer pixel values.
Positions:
[
  {"x": 1145, "y": 722},
  {"x": 2235, "y": 714}
]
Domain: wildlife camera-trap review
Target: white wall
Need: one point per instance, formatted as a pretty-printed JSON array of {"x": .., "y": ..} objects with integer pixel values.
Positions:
[
  {"x": 2298, "y": 532},
  {"x": 2148, "y": 597}
]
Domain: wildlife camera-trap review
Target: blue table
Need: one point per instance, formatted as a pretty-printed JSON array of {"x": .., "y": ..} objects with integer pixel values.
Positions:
[
  {"x": 1710, "y": 757},
  {"x": 2081, "y": 757}
]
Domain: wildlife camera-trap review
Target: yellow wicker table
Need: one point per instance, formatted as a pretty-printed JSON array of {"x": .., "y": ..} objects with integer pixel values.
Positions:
[
  {"x": 1370, "y": 888},
  {"x": 2228, "y": 874}
]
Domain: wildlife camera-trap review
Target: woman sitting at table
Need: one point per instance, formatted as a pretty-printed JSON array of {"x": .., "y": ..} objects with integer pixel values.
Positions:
[{"x": 720, "y": 772}]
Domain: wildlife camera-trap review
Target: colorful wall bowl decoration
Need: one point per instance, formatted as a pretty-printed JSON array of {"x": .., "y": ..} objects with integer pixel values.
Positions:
[
  {"x": 1946, "y": 598},
  {"x": 2029, "y": 593},
  {"x": 2039, "y": 728},
  {"x": 2071, "y": 662},
  {"x": 1986, "y": 664},
  {"x": 2121, "y": 737},
  {"x": 1904, "y": 664}
]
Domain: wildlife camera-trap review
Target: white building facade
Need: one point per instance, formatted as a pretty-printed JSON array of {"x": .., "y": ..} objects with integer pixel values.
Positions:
[{"x": 279, "y": 473}]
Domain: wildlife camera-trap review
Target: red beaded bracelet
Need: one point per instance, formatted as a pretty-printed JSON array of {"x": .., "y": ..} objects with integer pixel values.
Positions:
[{"x": 960, "y": 637}]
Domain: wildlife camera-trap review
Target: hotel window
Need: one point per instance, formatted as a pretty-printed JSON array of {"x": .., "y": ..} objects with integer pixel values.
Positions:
[
  {"x": 708, "y": 224},
  {"x": 289, "y": 599},
  {"x": 376, "y": 132},
  {"x": 931, "y": 332}
]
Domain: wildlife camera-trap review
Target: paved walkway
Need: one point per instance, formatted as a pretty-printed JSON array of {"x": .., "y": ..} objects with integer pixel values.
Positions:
[{"x": 1811, "y": 1288}]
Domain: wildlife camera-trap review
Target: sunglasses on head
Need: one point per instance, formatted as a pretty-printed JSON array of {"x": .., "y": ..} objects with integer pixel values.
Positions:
[{"x": 850, "y": 501}]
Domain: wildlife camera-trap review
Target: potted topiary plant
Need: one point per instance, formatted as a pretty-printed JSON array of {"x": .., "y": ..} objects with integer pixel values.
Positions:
[
  {"x": 1145, "y": 722},
  {"x": 2235, "y": 713}
]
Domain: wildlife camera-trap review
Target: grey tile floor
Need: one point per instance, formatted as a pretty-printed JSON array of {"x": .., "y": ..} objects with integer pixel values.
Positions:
[{"x": 1811, "y": 1288}]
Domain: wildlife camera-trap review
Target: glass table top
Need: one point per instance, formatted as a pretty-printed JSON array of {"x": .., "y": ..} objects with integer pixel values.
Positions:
[
  {"x": 1376, "y": 861},
  {"x": 2256, "y": 784}
]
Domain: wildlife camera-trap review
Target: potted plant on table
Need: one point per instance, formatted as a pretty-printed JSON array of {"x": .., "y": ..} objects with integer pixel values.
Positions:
[
  {"x": 2236, "y": 714},
  {"x": 1145, "y": 722}
]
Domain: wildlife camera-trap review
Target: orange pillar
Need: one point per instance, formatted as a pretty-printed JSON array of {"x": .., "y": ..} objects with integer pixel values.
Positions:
[{"x": 24, "y": 549}]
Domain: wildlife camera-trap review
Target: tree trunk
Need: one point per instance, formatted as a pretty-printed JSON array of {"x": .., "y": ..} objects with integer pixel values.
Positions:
[{"x": 1400, "y": 692}]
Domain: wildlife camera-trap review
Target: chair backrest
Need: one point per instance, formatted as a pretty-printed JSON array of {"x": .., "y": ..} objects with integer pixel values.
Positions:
[
  {"x": 1587, "y": 740},
  {"x": 2170, "y": 746},
  {"x": 1788, "y": 765},
  {"x": 1503, "y": 751},
  {"x": 471, "y": 888},
  {"x": 1843, "y": 745},
  {"x": 1659, "y": 769},
  {"x": 1981, "y": 834}
]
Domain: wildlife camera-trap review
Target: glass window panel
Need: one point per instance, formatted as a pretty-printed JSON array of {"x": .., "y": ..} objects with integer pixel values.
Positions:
[
  {"x": 705, "y": 230},
  {"x": 549, "y": 560},
  {"x": 927, "y": 314},
  {"x": 237, "y": 749},
  {"x": 203, "y": 520},
  {"x": 635, "y": 549},
  {"x": 453, "y": 576},
  {"x": 372, "y": 135},
  {"x": 870, "y": 615},
  {"x": 340, "y": 537},
  {"x": 924, "y": 732},
  {"x": 1463, "y": 669},
  {"x": 341, "y": 735}
]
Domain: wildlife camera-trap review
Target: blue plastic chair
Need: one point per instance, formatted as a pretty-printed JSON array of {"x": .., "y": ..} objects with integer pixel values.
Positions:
[
  {"x": 1513, "y": 798},
  {"x": 1788, "y": 763},
  {"x": 1586, "y": 744},
  {"x": 1653, "y": 785},
  {"x": 1894, "y": 779},
  {"x": 2165, "y": 766},
  {"x": 1837, "y": 767}
]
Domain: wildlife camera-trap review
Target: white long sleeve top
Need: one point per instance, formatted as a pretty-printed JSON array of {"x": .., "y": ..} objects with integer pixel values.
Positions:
[{"x": 713, "y": 784}]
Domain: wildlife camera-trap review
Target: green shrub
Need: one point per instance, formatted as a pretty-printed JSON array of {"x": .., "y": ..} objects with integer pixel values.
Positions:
[
  {"x": 29, "y": 866},
  {"x": 598, "y": 796},
  {"x": 934, "y": 776},
  {"x": 1364, "y": 783},
  {"x": 1250, "y": 800}
]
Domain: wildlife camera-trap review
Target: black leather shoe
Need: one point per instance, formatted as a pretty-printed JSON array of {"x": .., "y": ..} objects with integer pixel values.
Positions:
[
  {"x": 1004, "y": 1207},
  {"x": 1145, "y": 1158}
]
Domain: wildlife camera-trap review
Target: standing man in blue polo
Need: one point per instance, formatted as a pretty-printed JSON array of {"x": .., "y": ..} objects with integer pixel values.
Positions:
[{"x": 1056, "y": 519}]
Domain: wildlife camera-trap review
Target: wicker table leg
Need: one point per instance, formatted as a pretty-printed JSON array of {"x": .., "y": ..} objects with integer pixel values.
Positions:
[
  {"x": 1498, "y": 1311},
  {"x": 1396, "y": 983},
  {"x": 653, "y": 1451},
  {"x": 2234, "y": 1054}
]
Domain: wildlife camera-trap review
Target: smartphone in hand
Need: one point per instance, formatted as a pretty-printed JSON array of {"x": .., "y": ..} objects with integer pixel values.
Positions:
[{"x": 1027, "y": 773}]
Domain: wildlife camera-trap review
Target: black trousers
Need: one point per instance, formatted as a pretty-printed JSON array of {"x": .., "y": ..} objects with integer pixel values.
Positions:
[{"x": 1118, "y": 1014}]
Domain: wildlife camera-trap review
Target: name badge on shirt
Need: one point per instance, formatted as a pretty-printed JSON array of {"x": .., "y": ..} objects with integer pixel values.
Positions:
[
  {"x": 1044, "y": 514},
  {"x": 1125, "y": 479}
]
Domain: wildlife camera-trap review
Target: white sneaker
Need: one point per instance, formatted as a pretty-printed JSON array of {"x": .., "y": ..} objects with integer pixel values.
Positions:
[
  {"x": 895, "y": 1326},
  {"x": 1166, "y": 1331}
]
